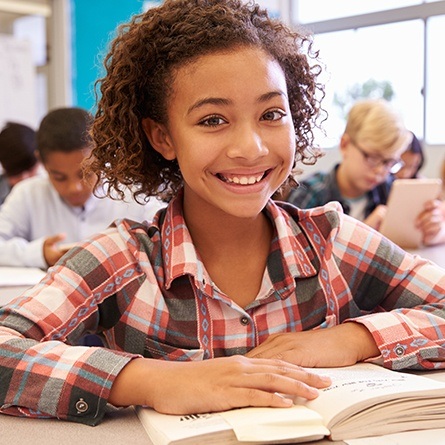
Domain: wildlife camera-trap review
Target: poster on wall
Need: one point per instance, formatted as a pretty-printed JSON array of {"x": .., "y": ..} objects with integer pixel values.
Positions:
[{"x": 18, "y": 95}]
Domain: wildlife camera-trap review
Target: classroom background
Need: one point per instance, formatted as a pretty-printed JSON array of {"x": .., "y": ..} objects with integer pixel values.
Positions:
[{"x": 51, "y": 54}]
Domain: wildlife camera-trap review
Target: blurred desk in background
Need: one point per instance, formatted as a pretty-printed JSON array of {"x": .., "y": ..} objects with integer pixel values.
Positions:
[
  {"x": 433, "y": 253},
  {"x": 15, "y": 280}
]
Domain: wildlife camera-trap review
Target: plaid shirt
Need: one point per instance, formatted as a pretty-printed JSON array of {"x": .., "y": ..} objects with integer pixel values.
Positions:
[
  {"x": 146, "y": 290},
  {"x": 321, "y": 188}
]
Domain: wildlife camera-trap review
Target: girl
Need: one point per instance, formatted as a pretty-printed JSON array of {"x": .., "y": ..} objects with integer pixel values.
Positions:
[{"x": 218, "y": 302}]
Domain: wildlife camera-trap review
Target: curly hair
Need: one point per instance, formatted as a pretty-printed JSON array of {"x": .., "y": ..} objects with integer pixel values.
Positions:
[{"x": 140, "y": 69}]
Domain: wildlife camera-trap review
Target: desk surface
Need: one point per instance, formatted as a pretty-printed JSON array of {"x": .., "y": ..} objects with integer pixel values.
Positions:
[
  {"x": 433, "y": 253},
  {"x": 120, "y": 427},
  {"x": 8, "y": 293},
  {"x": 123, "y": 427},
  {"x": 15, "y": 280}
]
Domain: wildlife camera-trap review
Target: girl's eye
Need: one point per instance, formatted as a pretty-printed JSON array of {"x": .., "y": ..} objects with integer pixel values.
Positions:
[
  {"x": 212, "y": 121},
  {"x": 273, "y": 115}
]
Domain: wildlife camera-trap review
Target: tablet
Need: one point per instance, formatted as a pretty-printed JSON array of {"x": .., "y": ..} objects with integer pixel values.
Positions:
[{"x": 405, "y": 202}]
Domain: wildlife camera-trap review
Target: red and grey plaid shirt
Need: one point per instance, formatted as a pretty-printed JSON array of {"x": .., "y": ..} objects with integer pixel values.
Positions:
[{"x": 146, "y": 290}]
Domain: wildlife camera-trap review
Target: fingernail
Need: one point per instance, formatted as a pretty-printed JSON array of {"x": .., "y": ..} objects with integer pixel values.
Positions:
[
  {"x": 325, "y": 379},
  {"x": 313, "y": 391}
]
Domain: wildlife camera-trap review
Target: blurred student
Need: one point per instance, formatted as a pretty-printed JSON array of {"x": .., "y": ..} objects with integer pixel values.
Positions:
[
  {"x": 42, "y": 212},
  {"x": 413, "y": 160},
  {"x": 17, "y": 156},
  {"x": 371, "y": 148}
]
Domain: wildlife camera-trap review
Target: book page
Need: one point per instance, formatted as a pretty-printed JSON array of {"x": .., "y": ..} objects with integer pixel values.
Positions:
[
  {"x": 431, "y": 437},
  {"x": 275, "y": 424},
  {"x": 363, "y": 385},
  {"x": 253, "y": 425},
  {"x": 165, "y": 429}
]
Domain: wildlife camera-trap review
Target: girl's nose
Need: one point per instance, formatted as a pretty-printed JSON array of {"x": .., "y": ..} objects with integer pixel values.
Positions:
[{"x": 247, "y": 143}]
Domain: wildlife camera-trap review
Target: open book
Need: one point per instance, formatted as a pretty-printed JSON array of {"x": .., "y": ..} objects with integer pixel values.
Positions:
[{"x": 363, "y": 400}]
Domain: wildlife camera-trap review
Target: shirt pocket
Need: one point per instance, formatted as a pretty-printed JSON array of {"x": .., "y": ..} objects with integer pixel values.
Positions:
[{"x": 159, "y": 350}]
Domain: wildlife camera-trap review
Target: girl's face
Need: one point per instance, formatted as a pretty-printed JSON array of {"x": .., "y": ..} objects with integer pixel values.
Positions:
[
  {"x": 411, "y": 167},
  {"x": 231, "y": 131}
]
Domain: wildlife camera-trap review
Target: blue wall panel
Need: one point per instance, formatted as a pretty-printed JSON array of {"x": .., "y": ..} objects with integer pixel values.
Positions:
[{"x": 94, "y": 23}]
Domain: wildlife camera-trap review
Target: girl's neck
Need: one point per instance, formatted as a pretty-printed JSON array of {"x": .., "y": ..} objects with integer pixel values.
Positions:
[
  {"x": 219, "y": 233},
  {"x": 234, "y": 251}
]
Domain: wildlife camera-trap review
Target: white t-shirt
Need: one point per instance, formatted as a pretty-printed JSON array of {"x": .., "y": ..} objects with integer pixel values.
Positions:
[
  {"x": 357, "y": 207},
  {"x": 34, "y": 210}
]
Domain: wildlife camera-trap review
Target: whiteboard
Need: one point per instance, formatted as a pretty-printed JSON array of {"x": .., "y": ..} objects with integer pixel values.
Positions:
[{"x": 18, "y": 88}]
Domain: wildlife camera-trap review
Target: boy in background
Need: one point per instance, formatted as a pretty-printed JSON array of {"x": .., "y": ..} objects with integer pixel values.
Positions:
[
  {"x": 371, "y": 148},
  {"x": 42, "y": 212},
  {"x": 17, "y": 156}
]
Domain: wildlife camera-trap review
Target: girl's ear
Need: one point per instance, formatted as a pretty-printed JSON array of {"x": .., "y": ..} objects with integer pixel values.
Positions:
[{"x": 159, "y": 138}]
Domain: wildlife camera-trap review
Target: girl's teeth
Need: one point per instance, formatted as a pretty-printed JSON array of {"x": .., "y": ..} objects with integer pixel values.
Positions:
[{"x": 244, "y": 180}]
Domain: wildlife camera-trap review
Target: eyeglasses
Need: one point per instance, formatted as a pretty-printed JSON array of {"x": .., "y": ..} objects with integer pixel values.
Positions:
[{"x": 392, "y": 165}]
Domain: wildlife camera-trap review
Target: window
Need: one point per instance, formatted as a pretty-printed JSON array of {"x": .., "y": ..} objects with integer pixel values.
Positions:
[
  {"x": 435, "y": 75},
  {"x": 318, "y": 10},
  {"x": 385, "y": 45},
  {"x": 369, "y": 59}
]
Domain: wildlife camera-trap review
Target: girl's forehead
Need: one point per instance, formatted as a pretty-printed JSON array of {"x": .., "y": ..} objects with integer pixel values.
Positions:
[
  {"x": 237, "y": 75},
  {"x": 253, "y": 62},
  {"x": 241, "y": 53}
]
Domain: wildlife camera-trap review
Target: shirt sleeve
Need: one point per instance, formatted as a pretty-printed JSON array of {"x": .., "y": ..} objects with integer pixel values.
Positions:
[
  {"x": 400, "y": 296},
  {"x": 16, "y": 246},
  {"x": 42, "y": 374}
]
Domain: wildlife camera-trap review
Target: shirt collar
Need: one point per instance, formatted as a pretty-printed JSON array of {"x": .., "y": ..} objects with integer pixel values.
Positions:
[{"x": 291, "y": 256}]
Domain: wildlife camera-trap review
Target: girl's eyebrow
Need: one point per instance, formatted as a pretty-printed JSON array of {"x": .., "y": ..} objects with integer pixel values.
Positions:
[
  {"x": 221, "y": 101},
  {"x": 271, "y": 95},
  {"x": 209, "y": 100}
]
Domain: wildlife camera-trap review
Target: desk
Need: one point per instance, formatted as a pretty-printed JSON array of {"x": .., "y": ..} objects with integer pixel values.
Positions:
[
  {"x": 118, "y": 428},
  {"x": 433, "y": 253},
  {"x": 8, "y": 293},
  {"x": 15, "y": 280},
  {"x": 121, "y": 427}
]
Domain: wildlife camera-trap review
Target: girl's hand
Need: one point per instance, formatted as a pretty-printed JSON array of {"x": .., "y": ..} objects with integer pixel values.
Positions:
[
  {"x": 341, "y": 345},
  {"x": 212, "y": 385},
  {"x": 431, "y": 222}
]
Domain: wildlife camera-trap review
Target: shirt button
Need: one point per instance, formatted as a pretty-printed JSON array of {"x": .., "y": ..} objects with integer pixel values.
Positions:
[
  {"x": 81, "y": 406},
  {"x": 399, "y": 350},
  {"x": 244, "y": 321}
]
